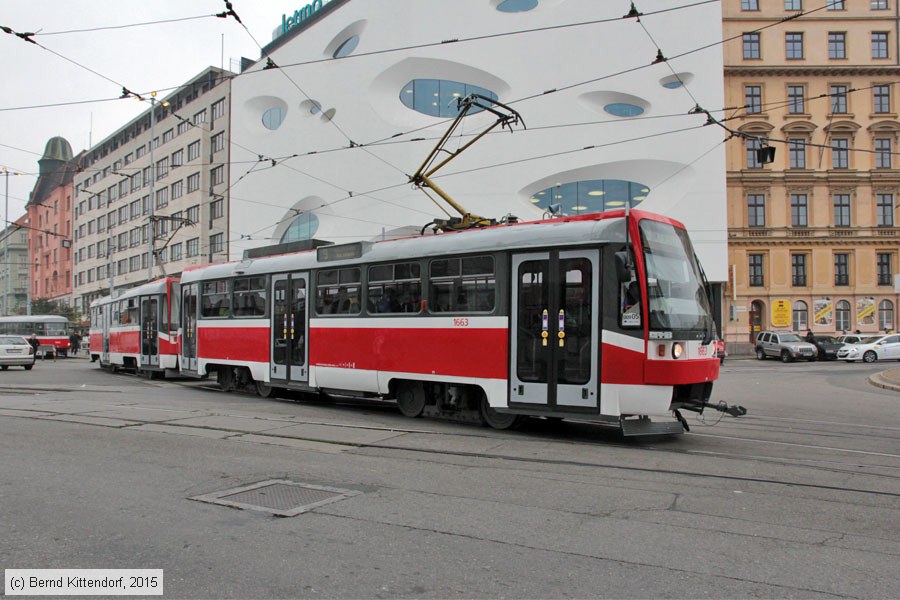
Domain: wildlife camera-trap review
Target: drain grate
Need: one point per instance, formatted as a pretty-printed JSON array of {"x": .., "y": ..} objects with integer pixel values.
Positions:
[{"x": 278, "y": 497}]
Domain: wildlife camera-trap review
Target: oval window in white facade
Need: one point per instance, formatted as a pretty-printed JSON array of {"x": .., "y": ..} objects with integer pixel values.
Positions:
[{"x": 273, "y": 117}]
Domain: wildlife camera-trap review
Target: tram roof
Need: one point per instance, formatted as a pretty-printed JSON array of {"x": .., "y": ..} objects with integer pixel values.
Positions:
[
  {"x": 158, "y": 286},
  {"x": 532, "y": 235},
  {"x": 34, "y": 319}
]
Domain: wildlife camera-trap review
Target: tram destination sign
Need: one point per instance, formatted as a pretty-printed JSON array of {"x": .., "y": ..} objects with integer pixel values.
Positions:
[{"x": 342, "y": 251}]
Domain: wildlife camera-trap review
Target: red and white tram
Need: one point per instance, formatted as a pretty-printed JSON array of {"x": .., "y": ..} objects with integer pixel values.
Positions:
[
  {"x": 138, "y": 329},
  {"x": 559, "y": 318},
  {"x": 50, "y": 330}
]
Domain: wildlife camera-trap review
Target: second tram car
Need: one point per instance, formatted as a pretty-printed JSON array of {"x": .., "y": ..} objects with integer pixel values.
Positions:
[
  {"x": 138, "y": 329},
  {"x": 563, "y": 318},
  {"x": 51, "y": 330}
]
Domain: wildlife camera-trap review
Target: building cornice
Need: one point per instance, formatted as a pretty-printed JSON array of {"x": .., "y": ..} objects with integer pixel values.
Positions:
[
  {"x": 831, "y": 71},
  {"x": 813, "y": 236},
  {"x": 752, "y": 177}
]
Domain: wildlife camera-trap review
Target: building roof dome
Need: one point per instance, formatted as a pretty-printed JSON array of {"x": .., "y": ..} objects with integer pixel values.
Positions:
[{"x": 57, "y": 148}]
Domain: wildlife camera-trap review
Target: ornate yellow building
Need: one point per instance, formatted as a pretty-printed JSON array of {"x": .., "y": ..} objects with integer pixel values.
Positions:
[{"x": 813, "y": 235}]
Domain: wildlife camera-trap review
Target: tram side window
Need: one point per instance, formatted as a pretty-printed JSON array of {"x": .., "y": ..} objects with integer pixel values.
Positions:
[
  {"x": 463, "y": 285},
  {"x": 249, "y": 297},
  {"x": 57, "y": 328},
  {"x": 214, "y": 299},
  {"x": 395, "y": 288},
  {"x": 128, "y": 311},
  {"x": 337, "y": 292},
  {"x": 629, "y": 293},
  {"x": 163, "y": 314},
  {"x": 175, "y": 316}
]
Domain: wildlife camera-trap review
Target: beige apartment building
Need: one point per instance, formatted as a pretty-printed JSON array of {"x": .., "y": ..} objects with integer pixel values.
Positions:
[
  {"x": 155, "y": 192},
  {"x": 813, "y": 236}
]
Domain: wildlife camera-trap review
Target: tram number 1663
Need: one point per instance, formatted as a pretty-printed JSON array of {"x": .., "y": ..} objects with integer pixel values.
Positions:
[{"x": 460, "y": 322}]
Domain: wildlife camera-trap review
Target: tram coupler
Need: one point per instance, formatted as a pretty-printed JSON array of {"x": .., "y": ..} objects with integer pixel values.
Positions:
[
  {"x": 734, "y": 410},
  {"x": 698, "y": 406}
]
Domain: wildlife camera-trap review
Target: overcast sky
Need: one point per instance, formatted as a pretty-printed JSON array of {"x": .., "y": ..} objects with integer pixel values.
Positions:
[{"x": 145, "y": 58}]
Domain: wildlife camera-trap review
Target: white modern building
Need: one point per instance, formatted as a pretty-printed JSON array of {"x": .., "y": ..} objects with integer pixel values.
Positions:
[{"x": 364, "y": 88}]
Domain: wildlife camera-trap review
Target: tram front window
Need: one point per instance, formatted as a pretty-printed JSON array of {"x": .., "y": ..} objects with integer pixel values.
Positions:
[{"x": 677, "y": 296}]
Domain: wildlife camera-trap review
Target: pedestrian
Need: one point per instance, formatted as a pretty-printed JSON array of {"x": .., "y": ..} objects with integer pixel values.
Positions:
[
  {"x": 74, "y": 342},
  {"x": 809, "y": 335},
  {"x": 34, "y": 342}
]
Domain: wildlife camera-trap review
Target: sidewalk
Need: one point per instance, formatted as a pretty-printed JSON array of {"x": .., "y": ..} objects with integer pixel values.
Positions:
[{"x": 889, "y": 380}]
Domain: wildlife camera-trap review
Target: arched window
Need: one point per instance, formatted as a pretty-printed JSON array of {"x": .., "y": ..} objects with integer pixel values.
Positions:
[
  {"x": 886, "y": 315},
  {"x": 842, "y": 316},
  {"x": 800, "y": 316},
  {"x": 303, "y": 227},
  {"x": 592, "y": 196},
  {"x": 437, "y": 97}
]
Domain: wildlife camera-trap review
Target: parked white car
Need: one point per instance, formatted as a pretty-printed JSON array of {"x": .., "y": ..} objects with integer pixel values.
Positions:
[
  {"x": 16, "y": 351},
  {"x": 881, "y": 347}
]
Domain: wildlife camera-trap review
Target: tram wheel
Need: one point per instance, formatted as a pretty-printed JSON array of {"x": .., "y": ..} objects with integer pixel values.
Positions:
[
  {"x": 411, "y": 399},
  {"x": 264, "y": 389},
  {"x": 498, "y": 420},
  {"x": 225, "y": 379}
]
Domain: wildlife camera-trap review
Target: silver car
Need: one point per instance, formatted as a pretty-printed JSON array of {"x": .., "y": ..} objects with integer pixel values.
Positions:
[
  {"x": 787, "y": 346},
  {"x": 16, "y": 351}
]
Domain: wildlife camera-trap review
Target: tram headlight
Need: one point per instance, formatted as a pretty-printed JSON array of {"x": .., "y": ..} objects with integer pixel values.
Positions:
[{"x": 677, "y": 350}]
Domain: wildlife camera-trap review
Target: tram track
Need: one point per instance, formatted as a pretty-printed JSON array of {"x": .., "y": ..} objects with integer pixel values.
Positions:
[
  {"x": 537, "y": 431},
  {"x": 607, "y": 437},
  {"x": 586, "y": 433}
]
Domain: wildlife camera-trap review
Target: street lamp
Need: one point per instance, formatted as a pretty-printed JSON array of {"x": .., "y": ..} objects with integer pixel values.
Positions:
[
  {"x": 6, "y": 243},
  {"x": 151, "y": 233},
  {"x": 6, "y": 231}
]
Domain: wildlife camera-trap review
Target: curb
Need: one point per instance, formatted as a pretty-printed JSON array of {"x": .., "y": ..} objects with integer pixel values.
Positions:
[{"x": 879, "y": 380}]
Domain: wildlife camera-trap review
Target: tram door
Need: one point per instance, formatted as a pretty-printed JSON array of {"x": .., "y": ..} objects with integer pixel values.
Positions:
[
  {"x": 105, "y": 318},
  {"x": 290, "y": 314},
  {"x": 189, "y": 327},
  {"x": 149, "y": 331},
  {"x": 554, "y": 329}
]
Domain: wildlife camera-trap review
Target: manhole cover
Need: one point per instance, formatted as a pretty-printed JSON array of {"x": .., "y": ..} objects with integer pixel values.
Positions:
[{"x": 278, "y": 497}]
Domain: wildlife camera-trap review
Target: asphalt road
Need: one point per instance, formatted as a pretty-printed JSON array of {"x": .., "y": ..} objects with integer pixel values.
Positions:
[{"x": 798, "y": 499}]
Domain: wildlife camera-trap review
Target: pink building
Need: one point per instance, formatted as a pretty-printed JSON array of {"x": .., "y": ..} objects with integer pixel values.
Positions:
[{"x": 50, "y": 224}]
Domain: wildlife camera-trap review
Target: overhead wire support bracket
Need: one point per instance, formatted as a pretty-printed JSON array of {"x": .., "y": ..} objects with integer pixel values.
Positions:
[{"x": 506, "y": 118}]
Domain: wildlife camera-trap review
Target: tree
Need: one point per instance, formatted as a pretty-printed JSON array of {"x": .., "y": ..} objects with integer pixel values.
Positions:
[{"x": 45, "y": 306}]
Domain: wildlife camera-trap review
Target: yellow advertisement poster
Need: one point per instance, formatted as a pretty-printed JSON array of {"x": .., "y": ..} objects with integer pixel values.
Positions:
[
  {"x": 865, "y": 310},
  {"x": 781, "y": 313},
  {"x": 823, "y": 309}
]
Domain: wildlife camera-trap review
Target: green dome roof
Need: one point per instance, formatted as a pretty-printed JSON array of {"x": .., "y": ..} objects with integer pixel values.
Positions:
[{"x": 58, "y": 148}]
